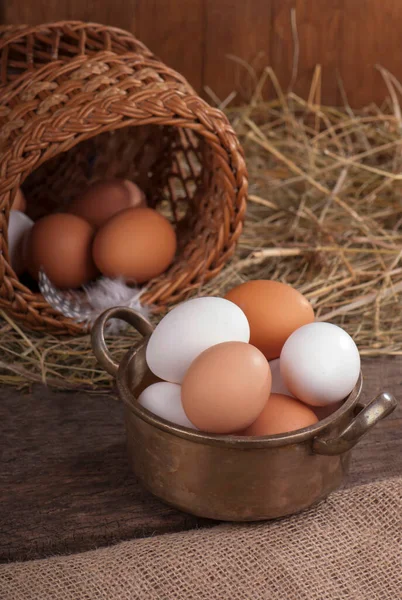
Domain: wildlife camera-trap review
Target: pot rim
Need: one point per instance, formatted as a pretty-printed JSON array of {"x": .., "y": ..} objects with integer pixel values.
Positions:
[{"x": 227, "y": 440}]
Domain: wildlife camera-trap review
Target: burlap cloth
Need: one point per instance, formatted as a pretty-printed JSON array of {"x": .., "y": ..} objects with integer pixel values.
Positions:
[{"x": 349, "y": 547}]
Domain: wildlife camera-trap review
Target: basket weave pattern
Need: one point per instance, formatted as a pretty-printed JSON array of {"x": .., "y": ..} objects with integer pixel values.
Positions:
[{"x": 79, "y": 102}]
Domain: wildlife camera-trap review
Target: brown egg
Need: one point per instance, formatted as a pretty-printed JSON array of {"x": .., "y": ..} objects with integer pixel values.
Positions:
[
  {"x": 137, "y": 244},
  {"x": 226, "y": 387},
  {"x": 274, "y": 311},
  {"x": 282, "y": 414},
  {"x": 104, "y": 199},
  {"x": 61, "y": 244},
  {"x": 19, "y": 202}
]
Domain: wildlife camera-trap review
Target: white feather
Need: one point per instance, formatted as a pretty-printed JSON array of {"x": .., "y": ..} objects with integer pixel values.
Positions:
[{"x": 84, "y": 308}]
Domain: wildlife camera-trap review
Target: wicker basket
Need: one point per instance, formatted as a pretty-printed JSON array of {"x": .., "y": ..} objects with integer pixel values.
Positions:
[{"x": 79, "y": 102}]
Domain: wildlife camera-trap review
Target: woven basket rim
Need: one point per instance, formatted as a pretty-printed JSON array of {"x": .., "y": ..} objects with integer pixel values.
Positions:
[{"x": 26, "y": 29}]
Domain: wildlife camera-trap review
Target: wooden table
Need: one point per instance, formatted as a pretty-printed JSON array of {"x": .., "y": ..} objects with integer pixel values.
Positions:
[{"x": 65, "y": 485}]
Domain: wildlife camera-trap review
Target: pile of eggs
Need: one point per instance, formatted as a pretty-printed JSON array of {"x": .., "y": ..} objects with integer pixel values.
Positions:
[
  {"x": 108, "y": 230},
  {"x": 253, "y": 363}
]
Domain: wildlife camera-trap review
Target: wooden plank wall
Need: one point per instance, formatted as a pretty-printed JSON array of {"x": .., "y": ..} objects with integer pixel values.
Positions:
[{"x": 347, "y": 37}]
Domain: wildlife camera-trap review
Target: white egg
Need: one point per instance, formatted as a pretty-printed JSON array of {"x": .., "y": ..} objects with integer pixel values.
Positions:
[
  {"x": 278, "y": 385},
  {"x": 320, "y": 364},
  {"x": 18, "y": 226},
  {"x": 164, "y": 400},
  {"x": 189, "y": 329}
]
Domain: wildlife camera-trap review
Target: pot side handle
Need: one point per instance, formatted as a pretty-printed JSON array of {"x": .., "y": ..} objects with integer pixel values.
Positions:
[
  {"x": 369, "y": 415},
  {"x": 99, "y": 347}
]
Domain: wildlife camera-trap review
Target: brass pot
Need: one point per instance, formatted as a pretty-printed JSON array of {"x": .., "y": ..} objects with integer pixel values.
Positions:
[{"x": 228, "y": 477}]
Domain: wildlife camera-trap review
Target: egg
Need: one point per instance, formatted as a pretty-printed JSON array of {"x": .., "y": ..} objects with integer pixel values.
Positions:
[
  {"x": 281, "y": 414},
  {"x": 189, "y": 329},
  {"x": 274, "y": 310},
  {"x": 61, "y": 245},
  {"x": 320, "y": 364},
  {"x": 163, "y": 399},
  {"x": 137, "y": 244},
  {"x": 104, "y": 199},
  {"x": 226, "y": 387},
  {"x": 19, "y": 225},
  {"x": 278, "y": 385},
  {"x": 19, "y": 202}
]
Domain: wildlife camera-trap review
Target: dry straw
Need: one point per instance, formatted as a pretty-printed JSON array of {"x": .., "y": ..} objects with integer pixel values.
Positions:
[{"x": 324, "y": 215}]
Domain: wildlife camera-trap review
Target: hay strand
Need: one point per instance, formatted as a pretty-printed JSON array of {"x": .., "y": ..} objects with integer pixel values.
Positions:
[{"x": 324, "y": 215}]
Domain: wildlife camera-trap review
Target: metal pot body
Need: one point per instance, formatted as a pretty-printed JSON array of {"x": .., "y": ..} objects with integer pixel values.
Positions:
[
  {"x": 231, "y": 483},
  {"x": 233, "y": 478}
]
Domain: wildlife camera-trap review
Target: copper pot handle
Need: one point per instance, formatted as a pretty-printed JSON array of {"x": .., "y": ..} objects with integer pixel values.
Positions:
[
  {"x": 99, "y": 347},
  {"x": 366, "y": 418}
]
